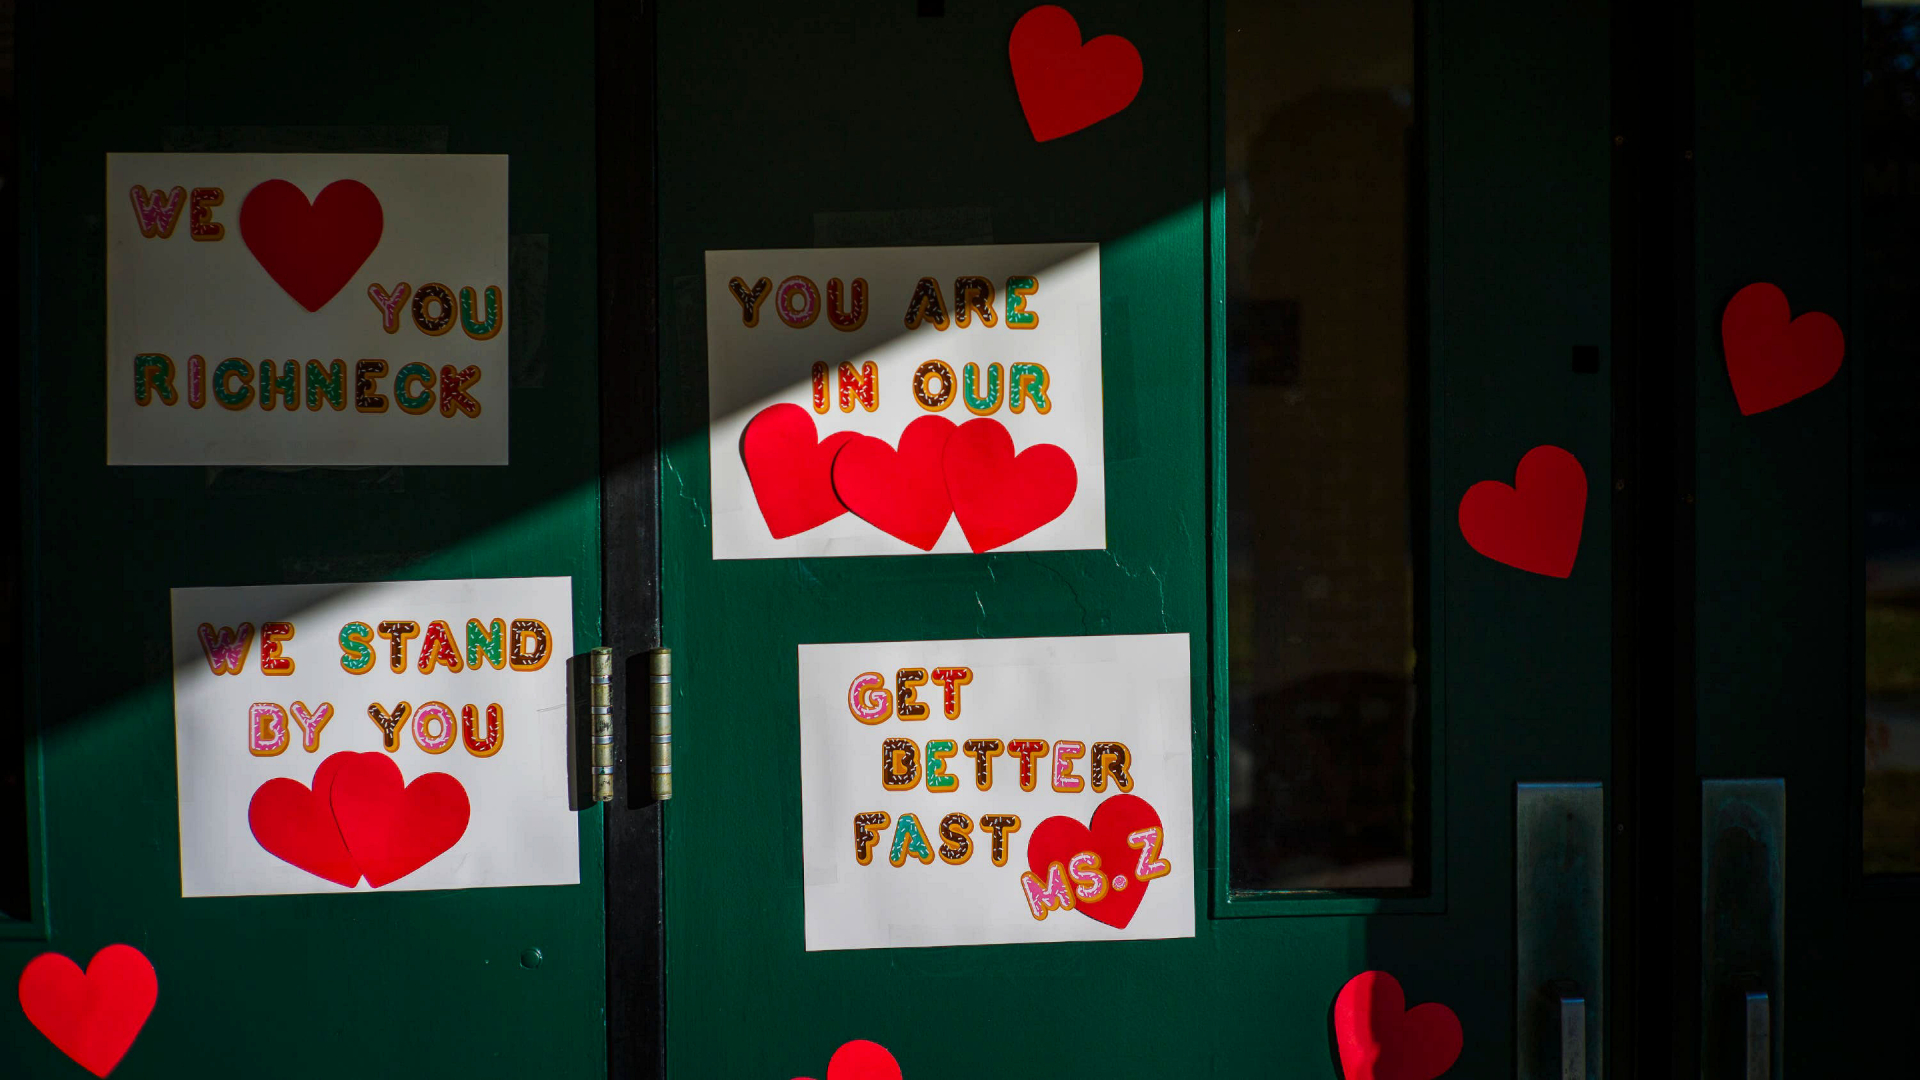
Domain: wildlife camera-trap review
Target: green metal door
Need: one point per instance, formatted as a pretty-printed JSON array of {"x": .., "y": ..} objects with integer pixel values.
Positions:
[
  {"x": 496, "y": 982},
  {"x": 1288, "y": 442},
  {"x": 1806, "y": 644}
]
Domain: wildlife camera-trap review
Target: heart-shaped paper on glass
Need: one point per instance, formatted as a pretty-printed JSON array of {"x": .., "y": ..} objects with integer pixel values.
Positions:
[
  {"x": 311, "y": 249},
  {"x": 91, "y": 1016},
  {"x": 1773, "y": 358},
  {"x": 861, "y": 1060},
  {"x": 791, "y": 469},
  {"x": 900, "y": 492},
  {"x": 1381, "y": 1039},
  {"x": 1533, "y": 525},
  {"x": 392, "y": 830},
  {"x": 998, "y": 496},
  {"x": 1065, "y": 85},
  {"x": 295, "y": 823},
  {"x": 1058, "y": 839}
]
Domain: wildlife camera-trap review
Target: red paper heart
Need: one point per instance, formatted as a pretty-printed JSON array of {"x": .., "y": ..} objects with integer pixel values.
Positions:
[
  {"x": 791, "y": 472},
  {"x": 1058, "y": 839},
  {"x": 295, "y": 823},
  {"x": 1381, "y": 1039},
  {"x": 1535, "y": 524},
  {"x": 900, "y": 492},
  {"x": 1063, "y": 85},
  {"x": 311, "y": 250},
  {"x": 1772, "y": 359},
  {"x": 999, "y": 497},
  {"x": 393, "y": 831},
  {"x": 861, "y": 1060},
  {"x": 92, "y": 1017}
]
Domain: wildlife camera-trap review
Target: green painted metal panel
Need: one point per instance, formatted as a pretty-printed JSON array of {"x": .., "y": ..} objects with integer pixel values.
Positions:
[{"x": 426, "y": 983}]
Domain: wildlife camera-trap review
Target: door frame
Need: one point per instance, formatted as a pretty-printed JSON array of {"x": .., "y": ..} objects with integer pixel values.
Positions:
[{"x": 630, "y": 529}]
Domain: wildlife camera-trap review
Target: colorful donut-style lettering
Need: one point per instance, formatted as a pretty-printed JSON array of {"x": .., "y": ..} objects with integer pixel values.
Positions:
[
  {"x": 329, "y": 381},
  {"x": 366, "y": 376},
  {"x": 926, "y": 306},
  {"x": 266, "y": 729},
  {"x": 999, "y": 826},
  {"x": 389, "y": 304},
  {"x": 496, "y": 731},
  {"x": 476, "y": 328},
  {"x": 441, "y": 320},
  {"x": 847, "y": 320},
  {"x": 982, "y": 751},
  {"x": 751, "y": 299},
  {"x": 866, "y": 828},
  {"x": 153, "y": 377},
  {"x": 389, "y": 723},
  {"x": 973, "y": 294},
  {"x": 899, "y": 764}
]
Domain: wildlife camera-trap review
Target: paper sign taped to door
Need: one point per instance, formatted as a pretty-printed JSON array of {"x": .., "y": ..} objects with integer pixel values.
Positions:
[
  {"x": 306, "y": 309},
  {"x": 375, "y": 737},
  {"x": 894, "y": 401},
  {"x": 984, "y": 792}
]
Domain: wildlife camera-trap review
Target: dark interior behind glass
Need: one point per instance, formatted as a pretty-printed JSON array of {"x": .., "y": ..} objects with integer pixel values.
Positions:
[
  {"x": 1887, "y": 352},
  {"x": 1324, "y": 419}
]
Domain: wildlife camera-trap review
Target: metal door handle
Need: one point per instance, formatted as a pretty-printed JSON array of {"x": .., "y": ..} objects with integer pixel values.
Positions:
[
  {"x": 1573, "y": 1035},
  {"x": 1560, "y": 858},
  {"x": 1759, "y": 1036},
  {"x": 1743, "y": 928}
]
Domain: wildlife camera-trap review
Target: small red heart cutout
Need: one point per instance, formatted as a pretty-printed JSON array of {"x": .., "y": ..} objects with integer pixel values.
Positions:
[
  {"x": 1064, "y": 85},
  {"x": 311, "y": 249},
  {"x": 861, "y": 1060},
  {"x": 1771, "y": 358},
  {"x": 1535, "y": 524},
  {"x": 998, "y": 496},
  {"x": 93, "y": 1017},
  {"x": 1058, "y": 839},
  {"x": 1381, "y": 1039},
  {"x": 791, "y": 470},
  {"x": 296, "y": 824},
  {"x": 900, "y": 492},
  {"x": 390, "y": 830}
]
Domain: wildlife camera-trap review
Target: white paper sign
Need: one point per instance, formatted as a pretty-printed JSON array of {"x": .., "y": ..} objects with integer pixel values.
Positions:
[
  {"x": 872, "y": 401},
  {"x": 375, "y": 285},
  {"x": 981, "y": 792},
  {"x": 301, "y": 710}
]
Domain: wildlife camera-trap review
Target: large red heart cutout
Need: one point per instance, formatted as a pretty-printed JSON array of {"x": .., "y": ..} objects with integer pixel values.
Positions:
[
  {"x": 998, "y": 496},
  {"x": 311, "y": 249},
  {"x": 861, "y": 1060},
  {"x": 393, "y": 830},
  {"x": 1064, "y": 85},
  {"x": 1058, "y": 839},
  {"x": 1381, "y": 1039},
  {"x": 1535, "y": 524},
  {"x": 296, "y": 823},
  {"x": 791, "y": 470},
  {"x": 1772, "y": 358},
  {"x": 93, "y": 1017},
  {"x": 900, "y": 492}
]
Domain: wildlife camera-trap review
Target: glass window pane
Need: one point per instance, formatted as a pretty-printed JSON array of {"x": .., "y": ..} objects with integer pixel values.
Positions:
[
  {"x": 1888, "y": 355},
  {"x": 1323, "y": 567}
]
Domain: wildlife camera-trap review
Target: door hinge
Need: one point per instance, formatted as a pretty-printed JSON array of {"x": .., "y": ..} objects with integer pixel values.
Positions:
[
  {"x": 600, "y": 711},
  {"x": 660, "y": 709}
]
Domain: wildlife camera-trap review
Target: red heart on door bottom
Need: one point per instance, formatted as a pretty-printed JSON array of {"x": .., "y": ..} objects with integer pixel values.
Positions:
[
  {"x": 861, "y": 1060},
  {"x": 1381, "y": 1039},
  {"x": 1065, "y": 85},
  {"x": 791, "y": 469},
  {"x": 295, "y": 823},
  {"x": 900, "y": 492},
  {"x": 1535, "y": 524},
  {"x": 393, "y": 830},
  {"x": 1771, "y": 358},
  {"x": 92, "y": 1017},
  {"x": 311, "y": 249},
  {"x": 998, "y": 496},
  {"x": 1058, "y": 839}
]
